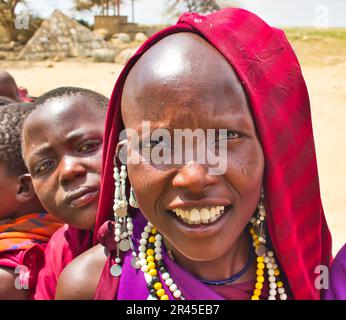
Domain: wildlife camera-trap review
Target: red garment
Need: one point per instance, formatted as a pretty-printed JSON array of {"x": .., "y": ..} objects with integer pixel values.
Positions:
[
  {"x": 22, "y": 244},
  {"x": 272, "y": 78},
  {"x": 65, "y": 245},
  {"x": 29, "y": 261},
  {"x": 23, "y": 232}
]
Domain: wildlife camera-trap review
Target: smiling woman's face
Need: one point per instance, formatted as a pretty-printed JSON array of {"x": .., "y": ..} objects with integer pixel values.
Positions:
[
  {"x": 63, "y": 152},
  {"x": 183, "y": 82}
]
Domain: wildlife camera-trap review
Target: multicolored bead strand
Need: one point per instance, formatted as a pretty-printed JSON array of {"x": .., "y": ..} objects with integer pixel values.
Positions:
[{"x": 150, "y": 254}]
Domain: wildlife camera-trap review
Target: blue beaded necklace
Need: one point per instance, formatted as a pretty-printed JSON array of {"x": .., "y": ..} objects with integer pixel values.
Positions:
[{"x": 235, "y": 276}]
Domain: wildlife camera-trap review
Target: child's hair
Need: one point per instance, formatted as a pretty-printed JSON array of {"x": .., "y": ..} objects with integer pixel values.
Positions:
[
  {"x": 100, "y": 100},
  {"x": 11, "y": 121},
  {"x": 6, "y": 100}
]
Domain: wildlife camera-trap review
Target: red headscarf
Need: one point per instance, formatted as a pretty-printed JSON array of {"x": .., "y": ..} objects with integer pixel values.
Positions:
[{"x": 272, "y": 78}]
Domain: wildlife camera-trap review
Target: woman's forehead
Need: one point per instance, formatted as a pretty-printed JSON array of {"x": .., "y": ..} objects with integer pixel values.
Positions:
[
  {"x": 179, "y": 56},
  {"x": 182, "y": 71}
]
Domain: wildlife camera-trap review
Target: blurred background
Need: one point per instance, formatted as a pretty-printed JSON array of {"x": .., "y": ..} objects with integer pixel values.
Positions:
[{"x": 45, "y": 44}]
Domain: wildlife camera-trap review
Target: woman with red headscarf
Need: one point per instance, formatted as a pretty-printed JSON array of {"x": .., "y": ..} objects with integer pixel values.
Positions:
[{"x": 252, "y": 228}]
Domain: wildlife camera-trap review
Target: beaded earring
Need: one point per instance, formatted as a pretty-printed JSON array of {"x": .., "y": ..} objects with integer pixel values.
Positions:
[
  {"x": 123, "y": 222},
  {"x": 133, "y": 201},
  {"x": 265, "y": 258}
]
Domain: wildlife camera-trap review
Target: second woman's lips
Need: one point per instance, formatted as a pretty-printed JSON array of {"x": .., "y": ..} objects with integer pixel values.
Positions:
[{"x": 81, "y": 196}]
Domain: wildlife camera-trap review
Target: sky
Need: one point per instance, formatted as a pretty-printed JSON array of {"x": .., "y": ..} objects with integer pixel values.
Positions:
[{"x": 318, "y": 13}]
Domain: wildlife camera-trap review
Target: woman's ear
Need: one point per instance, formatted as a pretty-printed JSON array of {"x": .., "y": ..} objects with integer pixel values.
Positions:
[
  {"x": 121, "y": 152},
  {"x": 25, "y": 190}
]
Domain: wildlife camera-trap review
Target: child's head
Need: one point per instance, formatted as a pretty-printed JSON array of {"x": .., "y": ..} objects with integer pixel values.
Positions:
[
  {"x": 62, "y": 148},
  {"x": 17, "y": 196},
  {"x": 8, "y": 86}
]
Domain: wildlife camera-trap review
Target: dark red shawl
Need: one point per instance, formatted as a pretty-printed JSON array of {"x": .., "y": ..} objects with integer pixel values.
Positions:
[{"x": 272, "y": 78}]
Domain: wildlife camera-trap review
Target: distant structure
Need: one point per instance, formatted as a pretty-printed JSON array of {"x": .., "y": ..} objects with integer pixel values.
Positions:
[
  {"x": 116, "y": 24},
  {"x": 61, "y": 36},
  {"x": 111, "y": 20}
]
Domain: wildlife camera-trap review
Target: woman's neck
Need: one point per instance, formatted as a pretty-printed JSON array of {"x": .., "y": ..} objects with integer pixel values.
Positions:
[{"x": 222, "y": 268}]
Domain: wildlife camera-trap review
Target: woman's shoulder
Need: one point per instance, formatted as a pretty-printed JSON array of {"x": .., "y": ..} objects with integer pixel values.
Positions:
[
  {"x": 339, "y": 263},
  {"x": 80, "y": 278},
  {"x": 337, "y": 280}
]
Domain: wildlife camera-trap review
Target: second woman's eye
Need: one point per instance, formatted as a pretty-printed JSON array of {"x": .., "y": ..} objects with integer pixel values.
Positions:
[
  {"x": 89, "y": 146},
  {"x": 44, "y": 166}
]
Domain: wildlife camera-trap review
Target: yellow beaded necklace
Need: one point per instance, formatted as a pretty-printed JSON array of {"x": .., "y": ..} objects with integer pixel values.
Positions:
[{"x": 151, "y": 261}]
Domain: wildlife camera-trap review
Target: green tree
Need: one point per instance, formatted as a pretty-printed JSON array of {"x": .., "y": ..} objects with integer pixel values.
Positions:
[
  {"x": 202, "y": 6},
  {"x": 8, "y": 17},
  {"x": 105, "y": 7}
]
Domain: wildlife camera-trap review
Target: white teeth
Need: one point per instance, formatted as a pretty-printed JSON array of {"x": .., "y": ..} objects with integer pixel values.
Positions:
[
  {"x": 212, "y": 212},
  {"x": 205, "y": 215},
  {"x": 197, "y": 216},
  {"x": 194, "y": 216}
]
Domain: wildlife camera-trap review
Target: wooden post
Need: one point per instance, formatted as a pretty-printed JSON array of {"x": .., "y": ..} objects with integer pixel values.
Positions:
[
  {"x": 118, "y": 4},
  {"x": 103, "y": 7}
]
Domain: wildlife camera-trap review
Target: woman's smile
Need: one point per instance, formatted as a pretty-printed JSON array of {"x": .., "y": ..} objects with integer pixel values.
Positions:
[
  {"x": 197, "y": 216},
  {"x": 199, "y": 222}
]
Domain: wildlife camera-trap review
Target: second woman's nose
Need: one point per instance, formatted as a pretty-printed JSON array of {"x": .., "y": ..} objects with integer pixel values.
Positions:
[{"x": 70, "y": 169}]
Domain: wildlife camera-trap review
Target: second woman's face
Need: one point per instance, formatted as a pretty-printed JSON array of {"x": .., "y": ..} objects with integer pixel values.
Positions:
[{"x": 184, "y": 83}]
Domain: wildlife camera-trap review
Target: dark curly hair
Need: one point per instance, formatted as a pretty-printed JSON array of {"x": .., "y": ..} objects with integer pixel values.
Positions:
[
  {"x": 11, "y": 121},
  {"x": 100, "y": 100}
]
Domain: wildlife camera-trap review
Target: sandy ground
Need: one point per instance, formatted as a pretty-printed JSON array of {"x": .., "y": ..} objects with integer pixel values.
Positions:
[{"x": 327, "y": 87}]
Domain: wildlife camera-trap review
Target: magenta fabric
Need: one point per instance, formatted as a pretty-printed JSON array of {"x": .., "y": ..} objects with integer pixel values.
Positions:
[
  {"x": 11, "y": 259},
  {"x": 337, "y": 281},
  {"x": 66, "y": 244},
  {"x": 31, "y": 260},
  {"x": 279, "y": 101}
]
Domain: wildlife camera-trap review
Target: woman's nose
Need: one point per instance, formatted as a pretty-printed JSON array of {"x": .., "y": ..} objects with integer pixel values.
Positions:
[
  {"x": 70, "y": 169},
  {"x": 194, "y": 178}
]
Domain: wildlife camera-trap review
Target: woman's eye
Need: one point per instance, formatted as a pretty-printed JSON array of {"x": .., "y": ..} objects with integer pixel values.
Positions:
[
  {"x": 89, "y": 146},
  {"x": 228, "y": 135},
  {"x": 44, "y": 166},
  {"x": 232, "y": 135}
]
